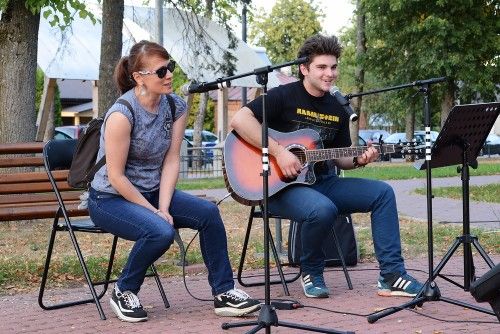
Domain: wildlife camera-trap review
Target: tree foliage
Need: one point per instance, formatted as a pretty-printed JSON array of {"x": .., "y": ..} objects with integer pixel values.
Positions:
[
  {"x": 419, "y": 39},
  {"x": 59, "y": 12},
  {"x": 283, "y": 31},
  {"x": 18, "y": 53}
]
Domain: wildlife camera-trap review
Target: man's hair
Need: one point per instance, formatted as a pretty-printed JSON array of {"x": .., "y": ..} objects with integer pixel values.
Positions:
[{"x": 317, "y": 45}]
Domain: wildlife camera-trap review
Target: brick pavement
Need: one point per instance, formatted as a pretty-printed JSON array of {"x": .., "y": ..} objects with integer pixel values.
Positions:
[{"x": 21, "y": 313}]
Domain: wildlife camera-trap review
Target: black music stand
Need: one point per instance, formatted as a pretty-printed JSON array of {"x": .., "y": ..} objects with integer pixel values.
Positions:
[{"x": 459, "y": 142}]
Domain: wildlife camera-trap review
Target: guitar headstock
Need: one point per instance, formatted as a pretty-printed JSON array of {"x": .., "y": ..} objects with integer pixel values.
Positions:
[{"x": 410, "y": 148}]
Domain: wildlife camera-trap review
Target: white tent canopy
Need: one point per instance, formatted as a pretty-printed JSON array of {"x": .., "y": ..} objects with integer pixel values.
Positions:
[
  {"x": 75, "y": 52},
  {"x": 181, "y": 41}
]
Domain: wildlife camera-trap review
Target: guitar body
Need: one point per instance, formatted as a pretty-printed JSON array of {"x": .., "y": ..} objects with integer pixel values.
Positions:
[{"x": 243, "y": 164}]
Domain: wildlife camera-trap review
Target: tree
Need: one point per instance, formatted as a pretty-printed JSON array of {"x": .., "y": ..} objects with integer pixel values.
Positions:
[
  {"x": 285, "y": 29},
  {"x": 410, "y": 40},
  {"x": 359, "y": 74},
  {"x": 111, "y": 51},
  {"x": 18, "y": 52}
]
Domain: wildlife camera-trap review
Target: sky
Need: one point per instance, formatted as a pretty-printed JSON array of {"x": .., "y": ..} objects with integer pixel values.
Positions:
[{"x": 337, "y": 12}]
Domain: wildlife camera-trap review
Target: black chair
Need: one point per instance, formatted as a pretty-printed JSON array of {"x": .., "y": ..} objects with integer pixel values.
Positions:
[
  {"x": 279, "y": 265},
  {"x": 57, "y": 155}
]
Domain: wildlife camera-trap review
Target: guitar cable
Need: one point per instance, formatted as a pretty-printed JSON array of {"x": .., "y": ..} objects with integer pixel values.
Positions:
[{"x": 289, "y": 304}]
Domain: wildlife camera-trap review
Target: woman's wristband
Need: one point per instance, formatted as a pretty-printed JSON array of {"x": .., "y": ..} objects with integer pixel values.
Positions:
[{"x": 157, "y": 211}]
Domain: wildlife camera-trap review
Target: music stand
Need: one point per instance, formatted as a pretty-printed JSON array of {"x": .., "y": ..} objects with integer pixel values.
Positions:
[{"x": 459, "y": 142}]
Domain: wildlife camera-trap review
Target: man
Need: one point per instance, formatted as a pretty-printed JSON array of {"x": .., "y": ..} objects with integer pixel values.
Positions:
[{"x": 308, "y": 104}]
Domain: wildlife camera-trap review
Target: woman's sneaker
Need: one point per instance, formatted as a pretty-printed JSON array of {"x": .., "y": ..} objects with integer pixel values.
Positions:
[
  {"x": 235, "y": 303},
  {"x": 398, "y": 285},
  {"x": 314, "y": 286},
  {"x": 127, "y": 306}
]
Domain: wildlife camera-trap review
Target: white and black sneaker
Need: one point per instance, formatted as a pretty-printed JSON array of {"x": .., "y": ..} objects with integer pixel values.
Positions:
[
  {"x": 127, "y": 306},
  {"x": 235, "y": 303}
]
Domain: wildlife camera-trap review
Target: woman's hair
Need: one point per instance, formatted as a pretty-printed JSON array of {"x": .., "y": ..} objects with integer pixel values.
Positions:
[
  {"x": 317, "y": 45},
  {"x": 135, "y": 61}
]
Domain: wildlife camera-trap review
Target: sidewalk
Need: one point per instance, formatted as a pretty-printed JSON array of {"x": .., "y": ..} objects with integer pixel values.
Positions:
[
  {"x": 21, "y": 313},
  {"x": 444, "y": 210}
]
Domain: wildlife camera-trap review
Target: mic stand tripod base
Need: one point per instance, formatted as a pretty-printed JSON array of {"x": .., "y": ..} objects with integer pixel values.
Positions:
[
  {"x": 430, "y": 292},
  {"x": 268, "y": 318}
]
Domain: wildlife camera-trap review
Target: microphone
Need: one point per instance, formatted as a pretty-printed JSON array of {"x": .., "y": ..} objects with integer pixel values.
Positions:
[
  {"x": 334, "y": 91},
  {"x": 203, "y": 87},
  {"x": 429, "y": 81}
]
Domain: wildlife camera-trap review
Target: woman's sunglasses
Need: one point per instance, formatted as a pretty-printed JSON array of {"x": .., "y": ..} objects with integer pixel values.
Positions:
[{"x": 162, "y": 71}]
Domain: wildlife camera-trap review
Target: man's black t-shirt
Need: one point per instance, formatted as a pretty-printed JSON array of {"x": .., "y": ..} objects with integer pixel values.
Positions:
[{"x": 290, "y": 107}]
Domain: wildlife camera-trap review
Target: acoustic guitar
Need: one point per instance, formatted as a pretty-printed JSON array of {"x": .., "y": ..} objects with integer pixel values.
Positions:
[{"x": 242, "y": 166}]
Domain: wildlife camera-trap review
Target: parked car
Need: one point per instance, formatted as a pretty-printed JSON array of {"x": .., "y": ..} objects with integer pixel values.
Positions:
[
  {"x": 208, "y": 140},
  {"x": 69, "y": 131},
  {"x": 491, "y": 145},
  {"x": 373, "y": 135},
  {"x": 400, "y": 137}
]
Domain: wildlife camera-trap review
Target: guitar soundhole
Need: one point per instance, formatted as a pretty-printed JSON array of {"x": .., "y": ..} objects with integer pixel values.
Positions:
[{"x": 299, "y": 153}]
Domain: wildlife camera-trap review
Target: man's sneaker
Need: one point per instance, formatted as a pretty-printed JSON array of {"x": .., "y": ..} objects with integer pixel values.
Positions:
[
  {"x": 314, "y": 286},
  {"x": 127, "y": 306},
  {"x": 398, "y": 285},
  {"x": 235, "y": 303}
]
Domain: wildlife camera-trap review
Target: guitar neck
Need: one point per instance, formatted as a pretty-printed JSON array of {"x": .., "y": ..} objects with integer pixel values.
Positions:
[{"x": 336, "y": 153}]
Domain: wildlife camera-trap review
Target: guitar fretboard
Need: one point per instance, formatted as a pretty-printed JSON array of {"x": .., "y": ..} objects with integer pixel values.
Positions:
[{"x": 335, "y": 153}]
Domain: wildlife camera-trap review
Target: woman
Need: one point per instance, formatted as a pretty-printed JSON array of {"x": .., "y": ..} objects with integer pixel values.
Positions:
[{"x": 134, "y": 196}]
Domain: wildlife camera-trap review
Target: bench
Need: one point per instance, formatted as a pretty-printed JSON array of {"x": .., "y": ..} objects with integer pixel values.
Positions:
[{"x": 25, "y": 190}]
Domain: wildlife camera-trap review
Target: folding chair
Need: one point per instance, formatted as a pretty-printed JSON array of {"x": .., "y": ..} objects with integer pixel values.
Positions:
[
  {"x": 283, "y": 280},
  {"x": 57, "y": 155}
]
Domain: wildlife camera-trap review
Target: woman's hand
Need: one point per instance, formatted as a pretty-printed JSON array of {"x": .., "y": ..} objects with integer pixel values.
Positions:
[{"x": 165, "y": 215}]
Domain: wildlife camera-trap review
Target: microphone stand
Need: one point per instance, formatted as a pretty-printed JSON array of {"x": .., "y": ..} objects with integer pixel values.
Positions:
[
  {"x": 267, "y": 314},
  {"x": 430, "y": 290}
]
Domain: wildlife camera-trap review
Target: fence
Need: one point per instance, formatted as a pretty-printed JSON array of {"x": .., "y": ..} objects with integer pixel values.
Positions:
[{"x": 201, "y": 162}]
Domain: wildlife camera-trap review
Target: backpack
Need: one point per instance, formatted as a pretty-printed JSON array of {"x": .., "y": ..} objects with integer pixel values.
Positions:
[
  {"x": 84, "y": 165},
  {"x": 346, "y": 237}
]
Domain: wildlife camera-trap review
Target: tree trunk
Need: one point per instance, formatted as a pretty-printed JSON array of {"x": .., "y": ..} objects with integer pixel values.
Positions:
[
  {"x": 202, "y": 110},
  {"x": 198, "y": 128},
  {"x": 447, "y": 103},
  {"x": 111, "y": 51},
  {"x": 359, "y": 72},
  {"x": 18, "y": 51},
  {"x": 410, "y": 127}
]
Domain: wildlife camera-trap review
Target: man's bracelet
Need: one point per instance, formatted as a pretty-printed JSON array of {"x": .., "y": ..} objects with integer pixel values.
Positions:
[
  {"x": 356, "y": 163},
  {"x": 157, "y": 211}
]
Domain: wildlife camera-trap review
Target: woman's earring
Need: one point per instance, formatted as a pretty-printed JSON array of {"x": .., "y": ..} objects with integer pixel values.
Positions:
[{"x": 142, "y": 90}]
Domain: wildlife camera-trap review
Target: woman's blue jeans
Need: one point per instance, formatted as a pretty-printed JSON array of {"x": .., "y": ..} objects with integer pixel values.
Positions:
[
  {"x": 153, "y": 235},
  {"x": 317, "y": 207}
]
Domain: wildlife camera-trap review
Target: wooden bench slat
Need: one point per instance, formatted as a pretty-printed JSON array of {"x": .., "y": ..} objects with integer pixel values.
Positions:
[
  {"x": 21, "y": 162},
  {"x": 37, "y": 198},
  {"x": 40, "y": 212},
  {"x": 39, "y": 187},
  {"x": 59, "y": 175},
  {"x": 35, "y": 205},
  {"x": 15, "y": 148}
]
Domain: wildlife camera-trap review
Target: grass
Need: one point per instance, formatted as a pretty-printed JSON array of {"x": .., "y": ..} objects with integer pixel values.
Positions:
[
  {"x": 23, "y": 247},
  {"x": 487, "y": 193},
  {"x": 404, "y": 171},
  {"x": 23, "y": 244},
  {"x": 378, "y": 171}
]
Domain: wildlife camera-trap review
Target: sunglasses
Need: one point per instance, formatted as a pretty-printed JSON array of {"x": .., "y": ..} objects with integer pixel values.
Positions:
[{"x": 162, "y": 71}]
